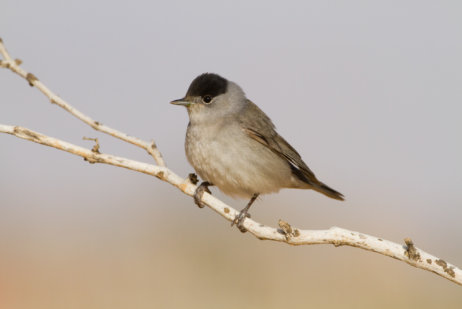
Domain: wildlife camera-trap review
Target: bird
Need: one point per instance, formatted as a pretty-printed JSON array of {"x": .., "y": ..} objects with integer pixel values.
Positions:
[{"x": 233, "y": 145}]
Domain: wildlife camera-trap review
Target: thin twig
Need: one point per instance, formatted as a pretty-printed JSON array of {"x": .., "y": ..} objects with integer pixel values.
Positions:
[{"x": 33, "y": 81}]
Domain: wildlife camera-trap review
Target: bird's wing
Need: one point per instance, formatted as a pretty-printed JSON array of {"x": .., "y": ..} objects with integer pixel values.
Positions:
[{"x": 259, "y": 127}]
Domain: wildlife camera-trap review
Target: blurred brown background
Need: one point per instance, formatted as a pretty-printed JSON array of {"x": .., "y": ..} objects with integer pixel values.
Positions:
[{"x": 368, "y": 92}]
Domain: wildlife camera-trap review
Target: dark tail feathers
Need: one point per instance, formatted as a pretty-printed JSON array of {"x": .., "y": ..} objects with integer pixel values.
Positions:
[{"x": 327, "y": 191}]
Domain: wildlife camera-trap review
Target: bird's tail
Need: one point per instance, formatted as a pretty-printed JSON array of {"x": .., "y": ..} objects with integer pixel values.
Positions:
[{"x": 327, "y": 191}]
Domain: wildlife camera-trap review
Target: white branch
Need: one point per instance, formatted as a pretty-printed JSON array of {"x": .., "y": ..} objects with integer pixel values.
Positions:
[
  {"x": 14, "y": 65},
  {"x": 337, "y": 236}
]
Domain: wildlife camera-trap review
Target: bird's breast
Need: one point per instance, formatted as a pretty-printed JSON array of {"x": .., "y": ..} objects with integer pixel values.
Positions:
[{"x": 227, "y": 157}]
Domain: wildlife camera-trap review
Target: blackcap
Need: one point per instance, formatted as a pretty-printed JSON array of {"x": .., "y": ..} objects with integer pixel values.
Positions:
[{"x": 232, "y": 144}]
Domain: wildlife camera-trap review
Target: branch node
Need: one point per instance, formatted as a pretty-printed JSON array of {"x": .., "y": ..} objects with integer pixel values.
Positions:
[
  {"x": 337, "y": 243},
  {"x": 90, "y": 160},
  {"x": 193, "y": 178},
  {"x": 95, "y": 148},
  {"x": 411, "y": 251},
  {"x": 153, "y": 145},
  {"x": 160, "y": 175},
  {"x": 155, "y": 153},
  {"x": 53, "y": 100},
  {"x": 18, "y": 61},
  {"x": 287, "y": 230},
  {"x": 31, "y": 78}
]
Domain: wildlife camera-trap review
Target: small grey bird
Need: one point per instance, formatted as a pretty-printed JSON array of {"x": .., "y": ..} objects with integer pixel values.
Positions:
[{"x": 232, "y": 144}]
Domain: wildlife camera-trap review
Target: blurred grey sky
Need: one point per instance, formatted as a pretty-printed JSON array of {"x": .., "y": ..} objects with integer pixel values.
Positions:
[{"x": 368, "y": 92}]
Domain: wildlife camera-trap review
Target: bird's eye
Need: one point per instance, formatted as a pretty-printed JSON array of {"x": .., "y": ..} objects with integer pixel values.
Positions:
[{"x": 207, "y": 99}]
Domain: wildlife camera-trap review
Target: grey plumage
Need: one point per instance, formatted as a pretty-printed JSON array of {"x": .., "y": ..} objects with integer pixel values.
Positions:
[
  {"x": 232, "y": 143},
  {"x": 263, "y": 131}
]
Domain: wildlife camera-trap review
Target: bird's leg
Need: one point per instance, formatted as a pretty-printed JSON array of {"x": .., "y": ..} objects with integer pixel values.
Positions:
[
  {"x": 239, "y": 219},
  {"x": 203, "y": 187}
]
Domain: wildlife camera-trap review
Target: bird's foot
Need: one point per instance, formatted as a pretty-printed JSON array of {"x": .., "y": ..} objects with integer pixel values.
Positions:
[
  {"x": 203, "y": 187},
  {"x": 239, "y": 220}
]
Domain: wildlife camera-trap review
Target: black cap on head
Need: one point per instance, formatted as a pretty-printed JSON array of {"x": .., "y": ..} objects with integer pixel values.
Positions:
[{"x": 207, "y": 84}]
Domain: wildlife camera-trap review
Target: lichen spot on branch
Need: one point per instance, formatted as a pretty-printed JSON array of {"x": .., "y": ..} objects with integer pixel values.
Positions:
[{"x": 444, "y": 265}]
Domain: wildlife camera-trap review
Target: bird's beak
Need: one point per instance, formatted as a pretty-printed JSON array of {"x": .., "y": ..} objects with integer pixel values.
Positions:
[{"x": 182, "y": 101}]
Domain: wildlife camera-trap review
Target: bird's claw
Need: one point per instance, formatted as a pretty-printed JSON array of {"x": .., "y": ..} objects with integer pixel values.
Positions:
[
  {"x": 239, "y": 220},
  {"x": 203, "y": 187}
]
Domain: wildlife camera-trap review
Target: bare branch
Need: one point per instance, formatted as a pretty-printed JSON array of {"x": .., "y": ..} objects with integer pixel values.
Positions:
[
  {"x": 14, "y": 65},
  {"x": 337, "y": 236}
]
